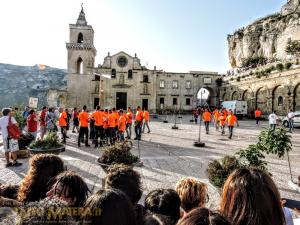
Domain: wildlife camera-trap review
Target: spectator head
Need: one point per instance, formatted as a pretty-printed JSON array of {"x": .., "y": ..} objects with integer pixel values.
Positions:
[
  {"x": 75, "y": 109},
  {"x": 155, "y": 219},
  {"x": 69, "y": 187},
  {"x": 98, "y": 107},
  {"x": 84, "y": 108},
  {"x": 6, "y": 111},
  {"x": 124, "y": 178},
  {"x": 113, "y": 109},
  {"x": 129, "y": 109},
  {"x": 9, "y": 191},
  {"x": 251, "y": 197},
  {"x": 192, "y": 193},
  {"x": 138, "y": 108},
  {"x": 42, "y": 169},
  {"x": 50, "y": 109},
  {"x": 114, "y": 207},
  {"x": 44, "y": 108},
  {"x": 31, "y": 112},
  {"x": 203, "y": 216},
  {"x": 121, "y": 111},
  {"x": 165, "y": 202}
]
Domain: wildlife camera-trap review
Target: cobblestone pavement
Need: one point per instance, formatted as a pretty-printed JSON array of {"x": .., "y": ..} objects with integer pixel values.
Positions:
[{"x": 169, "y": 155}]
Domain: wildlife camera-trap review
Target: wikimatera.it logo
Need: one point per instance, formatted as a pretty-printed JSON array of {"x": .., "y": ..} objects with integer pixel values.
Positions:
[{"x": 54, "y": 213}]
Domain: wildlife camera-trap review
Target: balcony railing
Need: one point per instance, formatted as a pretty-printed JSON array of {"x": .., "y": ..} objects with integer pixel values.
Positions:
[{"x": 79, "y": 46}]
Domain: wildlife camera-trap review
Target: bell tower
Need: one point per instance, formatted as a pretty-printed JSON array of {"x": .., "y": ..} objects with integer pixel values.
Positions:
[{"x": 81, "y": 61}]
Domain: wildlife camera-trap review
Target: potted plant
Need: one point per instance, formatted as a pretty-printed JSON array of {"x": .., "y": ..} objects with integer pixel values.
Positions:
[
  {"x": 24, "y": 141},
  {"x": 119, "y": 153},
  {"x": 49, "y": 144}
]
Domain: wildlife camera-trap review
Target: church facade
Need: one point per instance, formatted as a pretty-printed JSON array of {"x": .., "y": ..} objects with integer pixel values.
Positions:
[{"x": 121, "y": 81}]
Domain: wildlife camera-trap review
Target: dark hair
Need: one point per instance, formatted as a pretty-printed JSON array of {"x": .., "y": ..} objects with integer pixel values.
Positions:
[
  {"x": 72, "y": 186},
  {"x": 84, "y": 107},
  {"x": 156, "y": 219},
  {"x": 114, "y": 206},
  {"x": 9, "y": 191},
  {"x": 203, "y": 216},
  {"x": 124, "y": 178},
  {"x": 31, "y": 111},
  {"x": 165, "y": 202},
  {"x": 98, "y": 107},
  {"x": 50, "y": 110},
  {"x": 250, "y": 197},
  {"x": 75, "y": 108},
  {"x": 6, "y": 111},
  {"x": 44, "y": 107},
  {"x": 42, "y": 169}
]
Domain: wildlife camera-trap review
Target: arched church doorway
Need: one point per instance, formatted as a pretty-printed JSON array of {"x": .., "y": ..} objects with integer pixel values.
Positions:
[{"x": 206, "y": 97}]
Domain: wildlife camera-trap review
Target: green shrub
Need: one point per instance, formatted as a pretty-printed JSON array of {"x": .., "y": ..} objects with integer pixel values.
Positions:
[
  {"x": 253, "y": 61},
  {"x": 258, "y": 76},
  {"x": 279, "y": 67},
  {"x": 238, "y": 79},
  {"x": 218, "y": 171},
  {"x": 288, "y": 65},
  {"x": 231, "y": 78},
  {"x": 252, "y": 157},
  {"x": 50, "y": 141}
]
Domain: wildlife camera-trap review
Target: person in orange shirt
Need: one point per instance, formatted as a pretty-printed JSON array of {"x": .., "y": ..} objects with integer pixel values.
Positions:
[
  {"x": 105, "y": 125},
  {"x": 84, "y": 126},
  {"x": 62, "y": 122},
  {"x": 116, "y": 116},
  {"x": 257, "y": 115},
  {"x": 222, "y": 121},
  {"x": 98, "y": 118},
  {"x": 111, "y": 127},
  {"x": 122, "y": 125},
  {"x": 146, "y": 117},
  {"x": 216, "y": 114},
  {"x": 231, "y": 120},
  {"x": 129, "y": 117},
  {"x": 206, "y": 116},
  {"x": 138, "y": 123}
]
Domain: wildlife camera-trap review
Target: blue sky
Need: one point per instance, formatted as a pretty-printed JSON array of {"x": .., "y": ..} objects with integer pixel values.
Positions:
[{"x": 174, "y": 35}]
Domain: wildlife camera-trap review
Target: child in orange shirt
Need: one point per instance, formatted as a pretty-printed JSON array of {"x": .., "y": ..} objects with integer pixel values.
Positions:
[{"x": 122, "y": 125}]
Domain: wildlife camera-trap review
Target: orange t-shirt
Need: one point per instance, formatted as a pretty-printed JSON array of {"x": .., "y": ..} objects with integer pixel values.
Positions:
[
  {"x": 216, "y": 115},
  {"x": 122, "y": 124},
  {"x": 129, "y": 117},
  {"x": 62, "y": 121},
  {"x": 116, "y": 116},
  {"x": 146, "y": 115},
  {"x": 222, "y": 120},
  {"x": 225, "y": 112},
  {"x": 257, "y": 113},
  {"x": 98, "y": 117},
  {"x": 231, "y": 119},
  {"x": 111, "y": 120},
  {"x": 206, "y": 116},
  {"x": 83, "y": 119},
  {"x": 139, "y": 116},
  {"x": 105, "y": 120}
]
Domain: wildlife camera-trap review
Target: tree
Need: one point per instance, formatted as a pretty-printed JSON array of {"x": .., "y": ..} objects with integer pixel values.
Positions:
[{"x": 293, "y": 47}]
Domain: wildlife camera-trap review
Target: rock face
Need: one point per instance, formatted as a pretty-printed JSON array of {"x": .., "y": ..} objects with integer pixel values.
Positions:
[
  {"x": 266, "y": 37},
  {"x": 18, "y": 83}
]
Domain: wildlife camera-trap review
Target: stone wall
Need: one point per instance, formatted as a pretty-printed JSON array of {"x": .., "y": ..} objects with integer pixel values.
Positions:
[{"x": 279, "y": 91}]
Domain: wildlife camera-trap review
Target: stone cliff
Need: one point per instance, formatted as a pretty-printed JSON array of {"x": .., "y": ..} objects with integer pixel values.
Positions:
[
  {"x": 18, "y": 83},
  {"x": 266, "y": 37}
]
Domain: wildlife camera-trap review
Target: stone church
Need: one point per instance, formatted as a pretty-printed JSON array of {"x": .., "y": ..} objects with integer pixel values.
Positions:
[{"x": 121, "y": 81}]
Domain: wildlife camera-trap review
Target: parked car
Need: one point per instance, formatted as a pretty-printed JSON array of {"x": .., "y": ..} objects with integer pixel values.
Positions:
[{"x": 285, "y": 120}]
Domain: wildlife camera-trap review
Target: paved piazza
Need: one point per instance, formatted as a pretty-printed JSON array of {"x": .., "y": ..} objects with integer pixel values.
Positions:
[{"x": 169, "y": 155}]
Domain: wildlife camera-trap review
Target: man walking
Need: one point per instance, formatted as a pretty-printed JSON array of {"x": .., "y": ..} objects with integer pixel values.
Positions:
[
  {"x": 290, "y": 117},
  {"x": 10, "y": 145},
  {"x": 83, "y": 126},
  {"x": 121, "y": 126},
  {"x": 206, "y": 116},
  {"x": 146, "y": 116},
  {"x": 273, "y": 118},
  {"x": 98, "y": 117},
  {"x": 216, "y": 114},
  {"x": 257, "y": 115},
  {"x": 231, "y": 120},
  {"x": 222, "y": 121},
  {"x": 138, "y": 123}
]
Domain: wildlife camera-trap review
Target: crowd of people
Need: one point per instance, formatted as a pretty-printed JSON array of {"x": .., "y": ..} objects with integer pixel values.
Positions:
[
  {"x": 101, "y": 126},
  {"x": 50, "y": 194}
]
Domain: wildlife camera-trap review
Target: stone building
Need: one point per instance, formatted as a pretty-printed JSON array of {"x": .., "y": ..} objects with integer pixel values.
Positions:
[{"x": 121, "y": 81}]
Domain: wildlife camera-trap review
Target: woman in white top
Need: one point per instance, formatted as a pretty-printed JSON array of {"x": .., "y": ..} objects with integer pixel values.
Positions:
[{"x": 273, "y": 118}]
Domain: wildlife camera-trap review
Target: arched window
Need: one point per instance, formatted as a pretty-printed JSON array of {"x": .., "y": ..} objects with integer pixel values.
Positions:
[
  {"x": 280, "y": 101},
  {"x": 80, "y": 65},
  {"x": 80, "y": 38},
  {"x": 129, "y": 74},
  {"x": 113, "y": 73}
]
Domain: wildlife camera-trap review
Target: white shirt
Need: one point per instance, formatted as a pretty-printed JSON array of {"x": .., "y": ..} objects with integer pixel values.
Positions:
[
  {"x": 273, "y": 118},
  {"x": 291, "y": 115},
  {"x": 4, "y": 124}
]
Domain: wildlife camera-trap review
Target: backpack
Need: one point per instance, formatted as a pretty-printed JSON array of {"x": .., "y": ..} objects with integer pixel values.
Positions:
[{"x": 13, "y": 130}]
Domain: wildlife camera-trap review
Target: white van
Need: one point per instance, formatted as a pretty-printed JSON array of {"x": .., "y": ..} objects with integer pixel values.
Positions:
[{"x": 239, "y": 108}]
